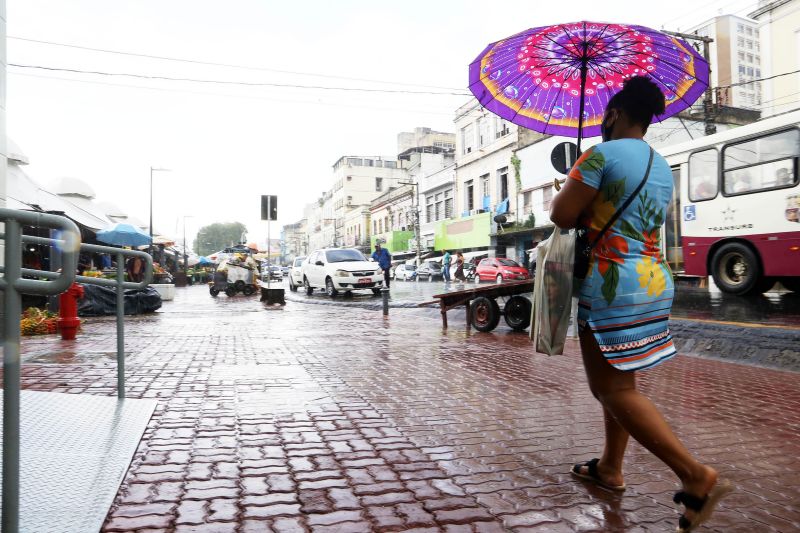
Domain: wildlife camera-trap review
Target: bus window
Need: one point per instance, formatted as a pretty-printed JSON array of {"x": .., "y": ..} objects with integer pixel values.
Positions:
[
  {"x": 703, "y": 168},
  {"x": 763, "y": 163}
]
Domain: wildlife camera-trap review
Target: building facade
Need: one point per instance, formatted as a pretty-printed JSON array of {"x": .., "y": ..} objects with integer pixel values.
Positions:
[
  {"x": 295, "y": 241},
  {"x": 357, "y": 180},
  {"x": 736, "y": 57},
  {"x": 425, "y": 137},
  {"x": 357, "y": 228},
  {"x": 485, "y": 184},
  {"x": 779, "y": 28},
  {"x": 393, "y": 216}
]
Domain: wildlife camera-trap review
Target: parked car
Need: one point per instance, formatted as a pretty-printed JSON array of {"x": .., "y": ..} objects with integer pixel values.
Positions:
[
  {"x": 500, "y": 269},
  {"x": 430, "y": 270},
  {"x": 296, "y": 273},
  {"x": 340, "y": 269},
  {"x": 272, "y": 272},
  {"x": 285, "y": 270},
  {"x": 405, "y": 272}
]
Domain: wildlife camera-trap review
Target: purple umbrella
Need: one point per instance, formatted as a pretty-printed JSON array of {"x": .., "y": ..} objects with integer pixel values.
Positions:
[{"x": 558, "y": 79}]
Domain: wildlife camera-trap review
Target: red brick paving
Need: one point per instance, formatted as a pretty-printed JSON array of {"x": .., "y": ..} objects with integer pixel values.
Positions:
[{"x": 320, "y": 418}]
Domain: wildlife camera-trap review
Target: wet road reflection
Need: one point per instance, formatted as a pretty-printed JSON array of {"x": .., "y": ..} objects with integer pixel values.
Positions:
[{"x": 772, "y": 309}]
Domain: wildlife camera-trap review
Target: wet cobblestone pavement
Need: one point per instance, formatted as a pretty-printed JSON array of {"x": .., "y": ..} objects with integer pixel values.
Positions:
[{"x": 326, "y": 418}]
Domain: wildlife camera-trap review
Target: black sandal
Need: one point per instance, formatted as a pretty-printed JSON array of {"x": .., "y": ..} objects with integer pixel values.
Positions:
[
  {"x": 704, "y": 507},
  {"x": 593, "y": 476}
]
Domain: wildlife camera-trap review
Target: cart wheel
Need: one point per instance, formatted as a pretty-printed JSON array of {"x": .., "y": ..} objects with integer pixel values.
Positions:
[
  {"x": 239, "y": 285},
  {"x": 485, "y": 313},
  {"x": 214, "y": 291},
  {"x": 230, "y": 291},
  {"x": 517, "y": 312},
  {"x": 249, "y": 290}
]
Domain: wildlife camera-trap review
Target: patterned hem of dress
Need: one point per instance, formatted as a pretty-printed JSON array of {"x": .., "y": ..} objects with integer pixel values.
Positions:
[{"x": 637, "y": 355}]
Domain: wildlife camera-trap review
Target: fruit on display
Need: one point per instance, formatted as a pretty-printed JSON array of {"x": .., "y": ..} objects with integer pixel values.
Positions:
[{"x": 38, "y": 322}]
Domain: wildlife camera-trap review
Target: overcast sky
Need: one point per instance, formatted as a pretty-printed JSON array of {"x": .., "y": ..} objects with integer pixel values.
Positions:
[{"x": 227, "y": 144}]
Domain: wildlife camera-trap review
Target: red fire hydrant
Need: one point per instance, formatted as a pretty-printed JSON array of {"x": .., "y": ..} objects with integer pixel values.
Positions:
[{"x": 68, "y": 320}]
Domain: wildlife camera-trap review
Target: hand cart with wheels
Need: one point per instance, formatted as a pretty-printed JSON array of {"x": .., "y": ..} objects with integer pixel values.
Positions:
[
  {"x": 232, "y": 279},
  {"x": 483, "y": 309}
]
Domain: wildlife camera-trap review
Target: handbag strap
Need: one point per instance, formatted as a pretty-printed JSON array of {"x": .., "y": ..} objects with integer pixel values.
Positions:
[{"x": 630, "y": 199}]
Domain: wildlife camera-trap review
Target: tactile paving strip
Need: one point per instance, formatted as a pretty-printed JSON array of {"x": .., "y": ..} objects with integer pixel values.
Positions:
[{"x": 76, "y": 450}]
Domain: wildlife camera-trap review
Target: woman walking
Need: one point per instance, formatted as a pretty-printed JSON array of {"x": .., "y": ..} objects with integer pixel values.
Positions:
[
  {"x": 626, "y": 297},
  {"x": 459, "y": 273}
]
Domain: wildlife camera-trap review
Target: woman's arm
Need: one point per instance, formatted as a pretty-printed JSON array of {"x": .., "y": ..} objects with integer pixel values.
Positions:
[{"x": 573, "y": 199}]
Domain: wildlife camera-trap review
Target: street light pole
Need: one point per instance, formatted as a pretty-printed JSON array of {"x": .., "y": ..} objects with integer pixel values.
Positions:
[
  {"x": 185, "y": 255},
  {"x": 153, "y": 169}
]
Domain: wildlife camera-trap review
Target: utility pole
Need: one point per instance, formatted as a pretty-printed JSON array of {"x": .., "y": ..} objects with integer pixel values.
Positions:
[
  {"x": 415, "y": 194},
  {"x": 708, "y": 95}
]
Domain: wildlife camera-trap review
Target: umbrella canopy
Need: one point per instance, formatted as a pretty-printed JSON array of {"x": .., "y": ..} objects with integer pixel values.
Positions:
[
  {"x": 204, "y": 261},
  {"x": 121, "y": 234},
  {"x": 558, "y": 79}
]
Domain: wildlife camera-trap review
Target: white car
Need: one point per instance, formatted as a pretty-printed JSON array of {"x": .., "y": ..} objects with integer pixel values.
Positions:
[
  {"x": 405, "y": 272},
  {"x": 340, "y": 269},
  {"x": 296, "y": 273}
]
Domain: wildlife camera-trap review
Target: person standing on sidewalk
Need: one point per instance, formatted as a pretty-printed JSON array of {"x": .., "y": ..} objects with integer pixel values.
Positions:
[
  {"x": 626, "y": 298},
  {"x": 384, "y": 260},
  {"x": 446, "y": 260}
]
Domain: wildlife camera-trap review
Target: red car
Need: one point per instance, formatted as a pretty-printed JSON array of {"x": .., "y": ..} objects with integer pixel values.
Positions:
[{"x": 500, "y": 269}]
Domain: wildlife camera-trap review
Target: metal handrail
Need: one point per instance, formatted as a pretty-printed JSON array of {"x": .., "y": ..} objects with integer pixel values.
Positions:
[{"x": 14, "y": 285}]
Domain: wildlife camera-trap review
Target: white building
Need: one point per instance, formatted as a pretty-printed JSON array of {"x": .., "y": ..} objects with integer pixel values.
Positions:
[
  {"x": 357, "y": 228},
  {"x": 735, "y": 58},
  {"x": 357, "y": 180},
  {"x": 779, "y": 27},
  {"x": 425, "y": 137},
  {"x": 484, "y": 146}
]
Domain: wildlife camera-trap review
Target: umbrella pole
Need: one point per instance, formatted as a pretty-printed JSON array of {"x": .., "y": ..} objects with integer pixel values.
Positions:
[{"x": 584, "y": 70}]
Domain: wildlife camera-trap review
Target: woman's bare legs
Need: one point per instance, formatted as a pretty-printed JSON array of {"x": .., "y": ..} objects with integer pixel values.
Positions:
[{"x": 636, "y": 415}]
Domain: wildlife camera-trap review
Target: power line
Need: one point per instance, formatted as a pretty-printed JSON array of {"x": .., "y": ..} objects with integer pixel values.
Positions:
[
  {"x": 225, "y": 95},
  {"x": 757, "y": 80},
  {"x": 230, "y": 82},
  {"x": 226, "y": 65}
]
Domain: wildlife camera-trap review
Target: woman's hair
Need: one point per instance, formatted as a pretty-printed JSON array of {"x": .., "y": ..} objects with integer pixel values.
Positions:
[{"x": 640, "y": 99}]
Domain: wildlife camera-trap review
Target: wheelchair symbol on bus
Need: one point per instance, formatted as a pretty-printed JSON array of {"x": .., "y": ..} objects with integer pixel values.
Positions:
[{"x": 689, "y": 213}]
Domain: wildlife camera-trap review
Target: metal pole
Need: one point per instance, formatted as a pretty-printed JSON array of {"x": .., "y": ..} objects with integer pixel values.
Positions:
[
  {"x": 269, "y": 256},
  {"x": 415, "y": 191},
  {"x": 120, "y": 327},
  {"x": 150, "y": 248},
  {"x": 11, "y": 378},
  {"x": 708, "y": 98},
  {"x": 385, "y": 294},
  {"x": 584, "y": 70}
]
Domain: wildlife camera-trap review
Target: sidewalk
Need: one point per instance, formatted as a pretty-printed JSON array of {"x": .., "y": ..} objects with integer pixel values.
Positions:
[{"x": 330, "y": 419}]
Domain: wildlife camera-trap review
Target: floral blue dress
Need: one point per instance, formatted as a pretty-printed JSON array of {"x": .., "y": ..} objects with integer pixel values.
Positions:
[{"x": 626, "y": 298}]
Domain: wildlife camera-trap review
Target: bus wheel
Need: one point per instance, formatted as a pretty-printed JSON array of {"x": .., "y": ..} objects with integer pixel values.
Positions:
[{"x": 736, "y": 270}]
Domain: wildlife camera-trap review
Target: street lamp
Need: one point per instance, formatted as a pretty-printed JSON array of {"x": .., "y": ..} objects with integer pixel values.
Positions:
[
  {"x": 185, "y": 258},
  {"x": 153, "y": 169}
]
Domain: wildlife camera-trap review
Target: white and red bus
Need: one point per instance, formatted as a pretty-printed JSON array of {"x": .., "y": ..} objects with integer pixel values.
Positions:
[{"x": 735, "y": 213}]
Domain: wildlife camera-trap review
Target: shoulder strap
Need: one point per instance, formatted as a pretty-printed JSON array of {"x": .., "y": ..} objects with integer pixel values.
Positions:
[{"x": 630, "y": 199}]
